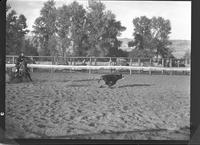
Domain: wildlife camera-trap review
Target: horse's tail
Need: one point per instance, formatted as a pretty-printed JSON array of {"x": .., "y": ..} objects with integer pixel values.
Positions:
[{"x": 29, "y": 76}]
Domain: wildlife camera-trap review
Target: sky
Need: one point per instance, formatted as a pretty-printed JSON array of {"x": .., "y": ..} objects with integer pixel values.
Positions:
[{"x": 178, "y": 12}]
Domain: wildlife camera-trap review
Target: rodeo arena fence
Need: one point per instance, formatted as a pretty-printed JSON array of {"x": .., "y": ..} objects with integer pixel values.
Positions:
[{"x": 110, "y": 64}]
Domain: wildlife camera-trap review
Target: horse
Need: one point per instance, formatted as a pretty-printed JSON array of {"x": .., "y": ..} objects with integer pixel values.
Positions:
[
  {"x": 23, "y": 72},
  {"x": 111, "y": 79}
]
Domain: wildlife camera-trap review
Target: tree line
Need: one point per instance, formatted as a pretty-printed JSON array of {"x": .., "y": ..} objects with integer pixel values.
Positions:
[
  {"x": 16, "y": 29},
  {"x": 72, "y": 30}
]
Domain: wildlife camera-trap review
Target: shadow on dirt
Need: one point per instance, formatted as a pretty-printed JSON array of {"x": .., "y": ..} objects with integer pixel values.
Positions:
[
  {"x": 135, "y": 85},
  {"x": 85, "y": 80},
  {"x": 77, "y": 85},
  {"x": 43, "y": 81},
  {"x": 17, "y": 81}
]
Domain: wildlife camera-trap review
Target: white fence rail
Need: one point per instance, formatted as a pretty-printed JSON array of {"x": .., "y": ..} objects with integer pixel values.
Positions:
[
  {"x": 101, "y": 61},
  {"x": 106, "y": 63},
  {"x": 130, "y": 68}
]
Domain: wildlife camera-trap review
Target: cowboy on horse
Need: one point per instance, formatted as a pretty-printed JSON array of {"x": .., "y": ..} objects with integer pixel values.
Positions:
[{"x": 21, "y": 60}]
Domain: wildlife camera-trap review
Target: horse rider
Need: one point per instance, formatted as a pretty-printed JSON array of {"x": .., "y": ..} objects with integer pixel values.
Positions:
[{"x": 20, "y": 59}]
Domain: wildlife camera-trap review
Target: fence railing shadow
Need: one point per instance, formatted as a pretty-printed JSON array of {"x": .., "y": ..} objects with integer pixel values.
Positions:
[{"x": 135, "y": 85}]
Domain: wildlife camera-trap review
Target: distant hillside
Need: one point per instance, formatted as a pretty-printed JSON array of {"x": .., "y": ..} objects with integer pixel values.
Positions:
[
  {"x": 124, "y": 45},
  {"x": 179, "y": 47}
]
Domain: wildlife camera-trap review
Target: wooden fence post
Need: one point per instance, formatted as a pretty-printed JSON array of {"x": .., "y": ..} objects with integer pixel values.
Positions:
[
  {"x": 33, "y": 61},
  {"x": 189, "y": 62},
  {"x": 150, "y": 65},
  {"x": 139, "y": 62},
  {"x": 73, "y": 61},
  {"x": 163, "y": 65},
  {"x": 178, "y": 63},
  {"x": 95, "y": 61},
  {"x": 185, "y": 62},
  {"x": 150, "y": 61},
  {"x": 70, "y": 60},
  {"x": 64, "y": 60},
  {"x": 131, "y": 61},
  {"x": 110, "y": 63},
  {"x": 163, "y": 62},
  {"x": 13, "y": 59},
  {"x": 170, "y": 62},
  {"x": 90, "y": 65},
  {"x": 130, "y": 65},
  {"x": 52, "y": 60},
  {"x": 170, "y": 65},
  {"x": 90, "y": 61}
]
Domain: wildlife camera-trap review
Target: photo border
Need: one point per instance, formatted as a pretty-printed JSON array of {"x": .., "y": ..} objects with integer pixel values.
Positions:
[{"x": 195, "y": 98}]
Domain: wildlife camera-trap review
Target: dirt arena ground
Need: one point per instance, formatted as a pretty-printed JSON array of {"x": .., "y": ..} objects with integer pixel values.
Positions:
[{"x": 72, "y": 105}]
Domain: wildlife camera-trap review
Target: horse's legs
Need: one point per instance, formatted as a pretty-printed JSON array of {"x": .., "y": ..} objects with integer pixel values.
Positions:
[{"x": 27, "y": 74}]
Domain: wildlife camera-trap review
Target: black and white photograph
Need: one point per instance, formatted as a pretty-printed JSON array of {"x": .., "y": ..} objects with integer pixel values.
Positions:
[{"x": 98, "y": 69}]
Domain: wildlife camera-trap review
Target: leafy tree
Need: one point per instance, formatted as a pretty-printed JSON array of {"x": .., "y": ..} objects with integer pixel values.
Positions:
[
  {"x": 16, "y": 28},
  {"x": 122, "y": 53},
  {"x": 45, "y": 26},
  {"x": 63, "y": 26},
  {"x": 52, "y": 45},
  {"x": 95, "y": 28},
  {"x": 144, "y": 53},
  {"x": 142, "y": 32},
  {"x": 77, "y": 29},
  {"x": 71, "y": 20},
  {"x": 103, "y": 30},
  {"x": 138, "y": 43},
  {"x": 29, "y": 49},
  {"x": 152, "y": 35},
  {"x": 113, "y": 29},
  {"x": 160, "y": 30}
]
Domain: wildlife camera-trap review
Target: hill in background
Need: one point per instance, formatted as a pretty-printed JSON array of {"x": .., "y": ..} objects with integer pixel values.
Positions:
[{"x": 179, "y": 47}]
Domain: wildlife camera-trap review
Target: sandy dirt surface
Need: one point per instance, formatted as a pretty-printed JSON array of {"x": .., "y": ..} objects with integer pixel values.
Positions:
[{"x": 72, "y": 105}]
